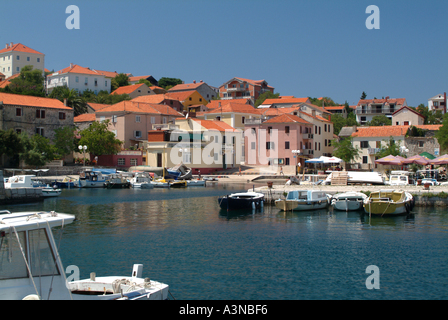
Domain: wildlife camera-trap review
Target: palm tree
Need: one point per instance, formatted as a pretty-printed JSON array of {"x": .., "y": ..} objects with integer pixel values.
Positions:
[{"x": 71, "y": 97}]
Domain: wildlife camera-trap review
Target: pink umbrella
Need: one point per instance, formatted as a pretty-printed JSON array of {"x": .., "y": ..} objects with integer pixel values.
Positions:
[
  {"x": 440, "y": 160},
  {"x": 389, "y": 160},
  {"x": 418, "y": 159}
]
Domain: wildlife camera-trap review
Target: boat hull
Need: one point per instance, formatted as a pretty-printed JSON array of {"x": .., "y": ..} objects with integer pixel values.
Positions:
[
  {"x": 350, "y": 205},
  {"x": 289, "y": 205},
  {"x": 388, "y": 203},
  {"x": 235, "y": 202}
]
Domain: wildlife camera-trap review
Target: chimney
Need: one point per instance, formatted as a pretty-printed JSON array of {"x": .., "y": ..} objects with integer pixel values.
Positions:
[
  {"x": 201, "y": 81},
  {"x": 7, "y": 46},
  {"x": 194, "y": 81},
  {"x": 71, "y": 65},
  {"x": 387, "y": 98},
  {"x": 65, "y": 101},
  {"x": 10, "y": 45}
]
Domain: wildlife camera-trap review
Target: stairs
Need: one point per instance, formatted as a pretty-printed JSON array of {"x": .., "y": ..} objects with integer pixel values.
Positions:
[{"x": 339, "y": 178}]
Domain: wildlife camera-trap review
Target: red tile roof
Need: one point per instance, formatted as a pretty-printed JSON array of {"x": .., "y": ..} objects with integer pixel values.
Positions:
[
  {"x": 140, "y": 107},
  {"x": 213, "y": 125},
  {"x": 19, "y": 47},
  {"x": 128, "y": 89},
  {"x": 216, "y": 103},
  {"x": 228, "y": 106},
  {"x": 97, "y": 106},
  {"x": 132, "y": 79},
  {"x": 381, "y": 131},
  {"x": 285, "y": 100},
  {"x": 31, "y": 101},
  {"x": 152, "y": 98},
  {"x": 399, "y": 101},
  {"x": 108, "y": 74},
  {"x": 85, "y": 117},
  {"x": 77, "y": 69},
  {"x": 287, "y": 118},
  {"x": 186, "y": 86},
  {"x": 410, "y": 109}
]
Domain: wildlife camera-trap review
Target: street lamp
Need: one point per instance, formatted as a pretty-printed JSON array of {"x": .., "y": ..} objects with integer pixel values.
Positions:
[{"x": 83, "y": 150}]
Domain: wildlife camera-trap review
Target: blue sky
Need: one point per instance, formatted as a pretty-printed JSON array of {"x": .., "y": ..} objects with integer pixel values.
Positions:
[{"x": 301, "y": 48}]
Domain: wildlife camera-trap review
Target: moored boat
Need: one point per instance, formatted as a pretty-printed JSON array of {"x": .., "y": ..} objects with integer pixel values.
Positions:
[
  {"x": 67, "y": 182},
  {"x": 91, "y": 179},
  {"x": 51, "y": 192},
  {"x": 303, "y": 200},
  {"x": 178, "y": 184},
  {"x": 116, "y": 181},
  {"x": 32, "y": 268},
  {"x": 141, "y": 180},
  {"x": 243, "y": 200},
  {"x": 348, "y": 201},
  {"x": 389, "y": 202}
]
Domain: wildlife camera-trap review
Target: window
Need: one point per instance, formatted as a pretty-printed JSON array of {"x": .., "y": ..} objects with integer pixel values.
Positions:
[
  {"x": 40, "y": 114},
  {"x": 365, "y": 159},
  {"x": 17, "y": 267},
  {"x": 254, "y": 131},
  {"x": 406, "y": 123},
  {"x": 77, "y": 79},
  {"x": 121, "y": 161},
  {"x": 96, "y": 82},
  {"x": 18, "y": 131},
  {"x": 18, "y": 57},
  {"x": 137, "y": 118},
  {"x": 421, "y": 144},
  {"x": 287, "y": 129},
  {"x": 61, "y": 115},
  {"x": 114, "y": 118},
  {"x": 134, "y": 162},
  {"x": 243, "y": 120},
  {"x": 286, "y": 145},
  {"x": 18, "y": 112},
  {"x": 153, "y": 120},
  {"x": 38, "y": 59},
  {"x": 86, "y": 81},
  {"x": 269, "y": 130},
  {"x": 105, "y": 83},
  {"x": 137, "y": 134},
  {"x": 269, "y": 145},
  {"x": 218, "y": 118},
  {"x": 40, "y": 131},
  {"x": 42, "y": 264},
  {"x": 27, "y": 58},
  {"x": 252, "y": 145},
  {"x": 18, "y": 69},
  {"x": 364, "y": 144},
  {"x": 215, "y": 156},
  {"x": 286, "y": 161}
]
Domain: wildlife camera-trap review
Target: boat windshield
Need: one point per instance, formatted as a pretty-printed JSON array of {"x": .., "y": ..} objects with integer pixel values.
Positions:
[
  {"x": 296, "y": 195},
  {"x": 12, "y": 265}
]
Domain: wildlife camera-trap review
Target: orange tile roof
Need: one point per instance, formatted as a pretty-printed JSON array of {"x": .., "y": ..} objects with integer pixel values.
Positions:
[
  {"x": 98, "y": 106},
  {"x": 128, "y": 89},
  {"x": 278, "y": 111},
  {"x": 152, "y": 98},
  {"x": 216, "y": 103},
  {"x": 285, "y": 101},
  {"x": 399, "y": 101},
  {"x": 4, "y": 83},
  {"x": 31, "y": 101},
  {"x": 230, "y": 106},
  {"x": 381, "y": 131},
  {"x": 108, "y": 74},
  {"x": 140, "y": 107},
  {"x": 186, "y": 86},
  {"x": 181, "y": 95},
  {"x": 410, "y": 109},
  {"x": 85, "y": 117},
  {"x": 132, "y": 79},
  {"x": 287, "y": 118},
  {"x": 76, "y": 69},
  {"x": 215, "y": 125},
  {"x": 19, "y": 47},
  {"x": 432, "y": 127}
]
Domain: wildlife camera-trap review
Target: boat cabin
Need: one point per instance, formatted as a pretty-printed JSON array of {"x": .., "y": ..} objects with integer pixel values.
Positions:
[{"x": 29, "y": 262}]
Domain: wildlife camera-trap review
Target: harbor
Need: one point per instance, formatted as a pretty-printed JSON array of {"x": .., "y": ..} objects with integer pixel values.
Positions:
[{"x": 183, "y": 239}]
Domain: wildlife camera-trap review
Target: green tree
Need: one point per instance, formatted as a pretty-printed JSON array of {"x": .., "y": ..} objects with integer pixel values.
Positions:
[
  {"x": 37, "y": 150},
  {"x": 120, "y": 80},
  {"x": 71, "y": 96},
  {"x": 363, "y": 95},
  {"x": 30, "y": 82},
  {"x": 149, "y": 84},
  {"x": 339, "y": 122},
  {"x": 266, "y": 95},
  {"x": 168, "y": 83},
  {"x": 65, "y": 141},
  {"x": 10, "y": 145},
  {"x": 391, "y": 147},
  {"x": 381, "y": 120},
  {"x": 99, "y": 140},
  {"x": 442, "y": 133},
  {"x": 345, "y": 150}
]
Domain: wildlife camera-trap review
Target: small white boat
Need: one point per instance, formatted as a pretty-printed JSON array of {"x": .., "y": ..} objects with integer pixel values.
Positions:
[
  {"x": 31, "y": 267},
  {"x": 91, "y": 179},
  {"x": 196, "y": 183},
  {"x": 50, "y": 192},
  {"x": 303, "y": 200},
  {"x": 389, "y": 202},
  {"x": 22, "y": 181},
  {"x": 348, "y": 201},
  {"x": 160, "y": 183},
  {"x": 141, "y": 180}
]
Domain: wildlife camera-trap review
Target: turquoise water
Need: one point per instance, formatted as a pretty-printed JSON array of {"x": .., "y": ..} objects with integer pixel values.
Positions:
[{"x": 183, "y": 239}]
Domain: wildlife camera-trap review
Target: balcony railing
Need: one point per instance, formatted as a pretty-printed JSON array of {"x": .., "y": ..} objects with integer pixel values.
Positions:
[
  {"x": 371, "y": 151},
  {"x": 308, "y": 136},
  {"x": 375, "y": 110},
  {"x": 253, "y": 121}
]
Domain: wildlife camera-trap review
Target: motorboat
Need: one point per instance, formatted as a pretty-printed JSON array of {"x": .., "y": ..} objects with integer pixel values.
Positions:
[
  {"x": 50, "y": 192},
  {"x": 242, "y": 200},
  {"x": 91, "y": 179},
  {"x": 22, "y": 181},
  {"x": 160, "y": 183},
  {"x": 348, "y": 201},
  {"x": 179, "y": 172},
  {"x": 32, "y": 268},
  {"x": 303, "y": 200},
  {"x": 196, "y": 183},
  {"x": 66, "y": 183},
  {"x": 389, "y": 202},
  {"x": 141, "y": 180},
  {"x": 178, "y": 184},
  {"x": 116, "y": 181}
]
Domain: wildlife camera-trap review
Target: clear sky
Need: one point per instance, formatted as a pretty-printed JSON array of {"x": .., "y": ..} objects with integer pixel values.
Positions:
[{"x": 301, "y": 48}]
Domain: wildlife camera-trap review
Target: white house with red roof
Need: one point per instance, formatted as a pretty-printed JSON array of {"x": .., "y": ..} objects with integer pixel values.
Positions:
[
  {"x": 15, "y": 56},
  {"x": 368, "y": 108},
  {"x": 80, "y": 79},
  {"x": 240, "y": 88}
]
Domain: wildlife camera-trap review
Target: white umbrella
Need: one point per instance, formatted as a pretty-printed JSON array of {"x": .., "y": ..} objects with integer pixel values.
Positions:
[{"x": 333, "y": 160}]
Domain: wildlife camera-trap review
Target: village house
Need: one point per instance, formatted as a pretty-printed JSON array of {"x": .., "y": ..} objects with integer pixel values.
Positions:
[
  {"x": 367, "y": 109},
  {"x": 240, "y": 88},
  {"x": 134, "y": 90},
  {"x": 33, "y": 115},
  {"x": 279, "y": 141},
  {"x": 187, "y": 98},
  {"x": 406, "y": 116},
  {"x": 205, "y": 146},
  {"x": 437, "y": 103},
  {"x": 203, "y": 88},
  {"x": 284, "y": 102},
  {"x": 135, "y": 80},
  {"x": 15, "y": 56},
  {"x": 161, "y": 99},
  {"x": 78, "y": 78}
]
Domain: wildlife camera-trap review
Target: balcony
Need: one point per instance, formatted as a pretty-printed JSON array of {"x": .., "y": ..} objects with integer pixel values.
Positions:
[
  {"x": 253, "y": 121},
  {"x": 235, "y": 89},
  {"x": 372, "y": 151},
  {"x": 308, "y": 136},
  {"x": 308, "y": 152},
  {"x": 384, "y": 110}
]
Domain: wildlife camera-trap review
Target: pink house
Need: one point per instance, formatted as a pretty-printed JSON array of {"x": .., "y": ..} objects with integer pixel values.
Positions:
[{"x": 272, "y": 142}]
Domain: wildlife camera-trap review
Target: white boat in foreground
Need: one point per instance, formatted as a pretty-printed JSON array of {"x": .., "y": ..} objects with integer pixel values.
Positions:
[
  {"x": 31, "y": 267},
  {"x": 303, "y": 200},
  {"x": 348, "y": 201}
]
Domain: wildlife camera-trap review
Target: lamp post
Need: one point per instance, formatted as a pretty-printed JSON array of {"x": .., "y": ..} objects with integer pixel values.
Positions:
[{"x": 83, "y": 150}]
